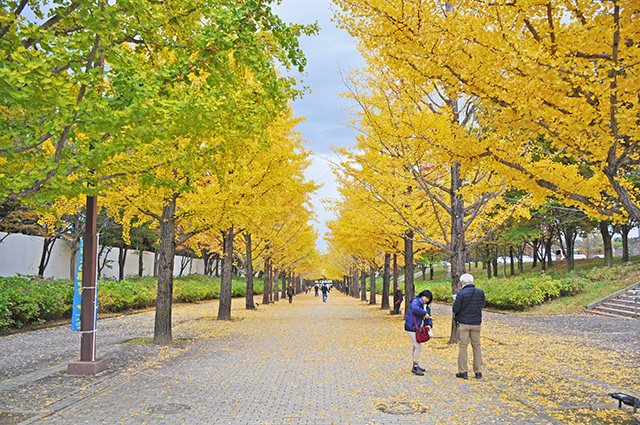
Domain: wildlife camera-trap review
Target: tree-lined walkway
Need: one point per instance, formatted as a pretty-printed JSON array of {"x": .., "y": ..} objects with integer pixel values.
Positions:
[{"x": 320, "y": 363}]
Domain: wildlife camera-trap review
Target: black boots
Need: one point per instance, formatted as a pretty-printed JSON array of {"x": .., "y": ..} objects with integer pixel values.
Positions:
[
  {"x": 465, "y": 375},
  {"x": 417, "y": 370}
]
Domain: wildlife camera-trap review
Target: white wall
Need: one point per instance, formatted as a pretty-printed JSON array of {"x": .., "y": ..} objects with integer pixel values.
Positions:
[{"x": 20, "y": 254}]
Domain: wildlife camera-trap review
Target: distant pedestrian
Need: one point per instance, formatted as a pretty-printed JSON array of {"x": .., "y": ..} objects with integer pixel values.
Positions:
[
  {"x": 398, "y": 296},
  {"x": 316, "y": 289},
  {"x": 325, "y": 291},
  {"x": 419, "y": 315},
  {"x": 467, "y": 308},
  {"x": 290, "y": 293}
]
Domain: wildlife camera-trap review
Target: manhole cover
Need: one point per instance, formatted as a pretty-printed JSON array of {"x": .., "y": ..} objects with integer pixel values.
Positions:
[
  {"x": 169, "y": 408},
  {"x": 402, "y": 408}
]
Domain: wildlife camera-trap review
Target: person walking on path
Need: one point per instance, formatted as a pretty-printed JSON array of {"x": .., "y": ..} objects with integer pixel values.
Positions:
[
  {"x": 398, "y": 296},
  {"x": 325, "y": 291},
  {"x": 419, "y": 315},
  {"x": 467, "y": 308},
  {"x": 290, "y": 293},
  {"x": 316, "y": 289}
]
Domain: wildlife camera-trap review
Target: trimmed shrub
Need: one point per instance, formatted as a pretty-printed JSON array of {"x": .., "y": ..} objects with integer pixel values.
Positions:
[
  {"x": 195, "y": 288},
  {"x": 28, "y": 300},
  {"x": 515, "y": 293},
  {"x": 128, "y": 294}
]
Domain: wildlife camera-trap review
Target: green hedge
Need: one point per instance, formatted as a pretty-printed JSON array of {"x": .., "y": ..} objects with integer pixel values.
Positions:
[
  {"x": 515, "y": 293},
  {"x": 29, "y": 300},
  {"x": 520, "y": 293},
  {"x": 26, "y": 300},
  {"x": 128, "y": 294}
]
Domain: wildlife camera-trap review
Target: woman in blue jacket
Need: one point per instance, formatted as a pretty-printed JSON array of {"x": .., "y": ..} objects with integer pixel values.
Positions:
[{"x": 419, "y": 315}]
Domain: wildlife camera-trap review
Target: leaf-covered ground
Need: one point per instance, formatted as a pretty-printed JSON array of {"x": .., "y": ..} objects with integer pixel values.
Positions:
[{"x": 342, "y": 361}]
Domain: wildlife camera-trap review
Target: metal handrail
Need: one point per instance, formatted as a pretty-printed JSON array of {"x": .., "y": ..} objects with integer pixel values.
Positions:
[{"x": 635, "y": 294}]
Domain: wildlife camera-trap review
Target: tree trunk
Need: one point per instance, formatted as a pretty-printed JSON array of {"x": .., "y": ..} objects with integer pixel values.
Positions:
[
  {"x": 249, "y": 273},
  {"x": 570, "y": 234},
  {"x": 184, "y": 262},
  {"x": 224, "y": 305},
  {"x": 271, "y": 282},
  {"x": 265, "y": 290},
  {"x": 363, "y": 286},
  {"x": 140, "y": 263},
  {"x": 548, "y": 251},
  {"x": 409, "y": 289},
  {"x": 122, "y": 259},
  {"x": 372, "y": 286},
  {"x": 504, "y": 269},
  {"x": 395, "y": 271},
  {"x": 101, "y": 255},
  {"x": 513, "y": 266},
  {"x": 355, "y": 293},
  {"x": 47, "y": 247},
  {"x": 205, "y": 260},
  {"x": 386, "y": 282},
  {"x": 162, "y": 332},
  {"x": 624, "y": 230},
  {"x": 494, "y": 262},
  {"x": 73, "y": 259},
  {"x": 285, "y": 274},
  {"x": 606, "y": 243},
  {"x": 458, "y": 244},
  {"x": 276, "y": 285}
]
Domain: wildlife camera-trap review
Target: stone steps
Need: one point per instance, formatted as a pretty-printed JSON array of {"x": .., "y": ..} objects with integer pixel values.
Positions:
[{"x": 620, "y": 304}]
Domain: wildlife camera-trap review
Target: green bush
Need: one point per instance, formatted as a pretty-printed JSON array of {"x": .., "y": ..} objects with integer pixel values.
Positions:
[
  {"x": 518, "y": 293},
  {"x": 515, "y": 293},
  {"x": 128, "y": 294},
  {"x": 195, "y": 288},
  {"x": 27, "y": 300}
]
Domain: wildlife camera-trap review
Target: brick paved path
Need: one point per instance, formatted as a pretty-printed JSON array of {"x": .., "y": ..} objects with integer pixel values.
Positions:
[{"x": 307, "y": 362}]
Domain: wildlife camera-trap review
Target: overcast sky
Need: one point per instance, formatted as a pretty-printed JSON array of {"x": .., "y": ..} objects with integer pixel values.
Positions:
[{"x": 331, "y": 51}]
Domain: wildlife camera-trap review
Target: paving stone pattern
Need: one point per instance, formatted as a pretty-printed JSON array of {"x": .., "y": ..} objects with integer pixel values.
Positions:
[{"x": 307, "y": 362}]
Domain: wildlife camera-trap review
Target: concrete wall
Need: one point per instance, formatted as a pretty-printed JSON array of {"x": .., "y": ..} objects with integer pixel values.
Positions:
[{"x": 20, "y": 254}]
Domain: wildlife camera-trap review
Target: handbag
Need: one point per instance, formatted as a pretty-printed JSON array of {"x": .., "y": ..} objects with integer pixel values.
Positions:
[{"x": 422, "y": 334}]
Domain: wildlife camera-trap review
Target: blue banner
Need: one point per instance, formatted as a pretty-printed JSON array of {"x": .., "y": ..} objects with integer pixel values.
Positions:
[{"x": 77, "y": 292}]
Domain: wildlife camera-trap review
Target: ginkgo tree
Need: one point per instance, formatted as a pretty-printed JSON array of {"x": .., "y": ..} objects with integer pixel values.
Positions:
[
  {"x": 556, "y": 81},
  {"x": 260, "y": 194},
  {"x": 403, "y": 159},
  {"x": 95, "y": 91},
  {"x": 216, "y": 192},
  {"x": 360, "y": 230},
  {"x": 85, "y": 81}
]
